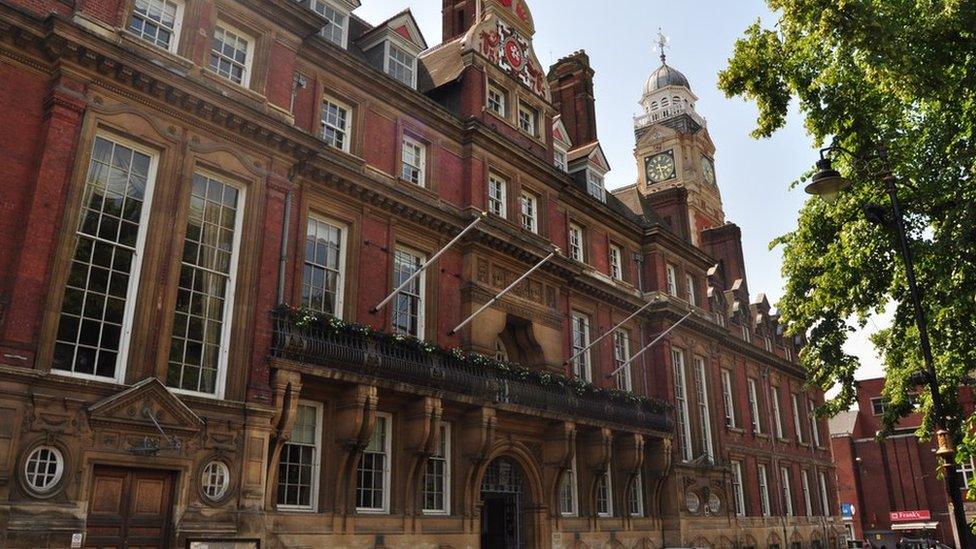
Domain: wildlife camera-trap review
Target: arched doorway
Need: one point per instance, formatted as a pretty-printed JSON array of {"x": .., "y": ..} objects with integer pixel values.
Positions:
[{"x": 503, "y": 503}]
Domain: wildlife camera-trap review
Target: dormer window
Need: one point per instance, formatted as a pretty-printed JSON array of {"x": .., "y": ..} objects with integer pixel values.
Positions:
[
  {"x": 401, "y": 65},
  {"x": 232, "y": 53},
  {"x": 560, "y": 159},
  {"x": 336, "y": 30},
  {"x": 595, "y": 186}
]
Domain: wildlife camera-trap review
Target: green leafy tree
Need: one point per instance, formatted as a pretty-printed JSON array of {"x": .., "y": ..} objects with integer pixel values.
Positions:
[{"x": 864, "y": 73}]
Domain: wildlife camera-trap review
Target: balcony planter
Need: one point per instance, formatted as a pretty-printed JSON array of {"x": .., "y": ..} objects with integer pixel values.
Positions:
[{"x": 314, "y": 338}]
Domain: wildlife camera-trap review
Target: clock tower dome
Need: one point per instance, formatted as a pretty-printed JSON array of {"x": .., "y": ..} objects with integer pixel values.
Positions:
[{"x": 674, "y": 149}]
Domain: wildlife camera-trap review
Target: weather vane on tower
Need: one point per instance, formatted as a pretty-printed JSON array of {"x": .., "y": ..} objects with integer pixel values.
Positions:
[{"x": 663, "y": 42}]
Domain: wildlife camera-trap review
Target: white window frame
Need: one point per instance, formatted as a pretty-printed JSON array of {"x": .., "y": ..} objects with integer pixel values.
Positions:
[
  {"x": 446, "y": 458},
  {"x": 580, "y": 333},
  {"x": 690, "y": 293},
  {"x": 672, "y": 274},
  {"x": 768, "y": 343},
  {"x": 421, "y": 282},
  {"x": 805, "y": 482},
  {"x": 389, "y": 60},
  {"x": 824, "y": 500},
  {"x": 746, "y": 333},
  {"x": 560, "y": 158},
  {"x": 704, "y": 409},
  {"x": 636, "y": 488},
  {"x": 31, "y": 477},
  {"x": 814, "y": 428},
  {"x": 500, "y": 99},
  {"x": 577, "y": 243},
  {"x": 616, "y": 262},
  {"x": 787, "y": 491},
  {"x": 797, "y": 422},
  {"x": 345, "y": 130},
  {"x": 132, "y": 290},
  {"x": 621, "y": 355},
  {"x": 230, "y": 291},
  {"x": 754, "y": 406},
  {"x": 681, "y": 398},
  {"x": 728, "y": 399},
  {"x": 738, "y": 491},
  {"x": 529, "y": 211},
  {"x": 574, "y": 491},
  {"x": 777, "y": 415},
  {"x": 174, "y": 42},
  {"x": 528, "y": 119},
  {"x": 387, "y": 468},
  {"x": 763, "y": 490},
  {"x": 341, "y": 276},
  {"x": 420, "y": 151},
  {"x": 967, "y": 473},
  {"x": 788, "y": 352},
  {"x": 497, "y": 195},
  {"x": 248, "y": 54},
  {"x": 316, "y": 464},
  {"x": 321, "y": 7},
  {"x": 609, "y": 484},
  {"x": 596, "y": 186}
]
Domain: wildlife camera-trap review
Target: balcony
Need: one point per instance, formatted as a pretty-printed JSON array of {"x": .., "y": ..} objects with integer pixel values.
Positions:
[
  {"x": 303, "y": 337},
  {"x": 667, "y": 113}
]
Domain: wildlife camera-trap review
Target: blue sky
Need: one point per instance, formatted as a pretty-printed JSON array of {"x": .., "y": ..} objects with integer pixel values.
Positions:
[{"x": 619, "y": 36}]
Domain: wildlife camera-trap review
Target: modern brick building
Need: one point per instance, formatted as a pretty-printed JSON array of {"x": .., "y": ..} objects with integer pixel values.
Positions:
[
  {"x": 205, "y": 208},
  {"x": 892, "y": 485}
]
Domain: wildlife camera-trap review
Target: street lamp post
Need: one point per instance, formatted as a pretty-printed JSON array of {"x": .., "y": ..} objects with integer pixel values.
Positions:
[{"x": 828, "y": 184}]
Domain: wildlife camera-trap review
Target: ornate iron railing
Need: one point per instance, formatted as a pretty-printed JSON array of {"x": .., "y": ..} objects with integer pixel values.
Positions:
[{"x": 381, "y": 356}]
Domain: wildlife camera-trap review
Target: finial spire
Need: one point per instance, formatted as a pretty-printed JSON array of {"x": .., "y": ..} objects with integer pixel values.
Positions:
[{"x": 662, "y": 44}]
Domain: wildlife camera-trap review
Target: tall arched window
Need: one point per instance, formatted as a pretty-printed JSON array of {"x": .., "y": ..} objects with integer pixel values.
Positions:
[{"x": 664, "y": 101}]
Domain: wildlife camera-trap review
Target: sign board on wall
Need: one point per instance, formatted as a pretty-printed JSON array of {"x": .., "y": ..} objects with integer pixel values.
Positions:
[
  {"x": 903, "y": 516},
  {"x": 847, "y": 510}
]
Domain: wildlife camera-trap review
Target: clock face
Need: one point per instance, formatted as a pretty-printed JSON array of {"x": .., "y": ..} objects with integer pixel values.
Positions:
[
  {"x": 708, "y": 169},
  {"x": 659, "y": 167}
]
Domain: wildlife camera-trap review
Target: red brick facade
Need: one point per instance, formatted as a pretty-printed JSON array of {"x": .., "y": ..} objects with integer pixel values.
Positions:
[
  {"x": 73, "y": 75},
  {"x": 896, "y": 475}
]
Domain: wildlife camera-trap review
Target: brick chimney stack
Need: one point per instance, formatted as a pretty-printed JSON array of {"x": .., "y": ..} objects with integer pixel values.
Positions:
[
  {"x": 459, "y": 16},
  {"x": 571, "y": 82}
]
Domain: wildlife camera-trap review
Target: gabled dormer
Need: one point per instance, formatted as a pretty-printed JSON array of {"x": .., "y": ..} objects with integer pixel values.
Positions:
[
  {"x": 393, "y": 46},
  {"x": 716, "y": 294},
  {"x": 561, "y": 144},
  {"x": 337, "y": 13},
  {"x": 588, "y": 165}
]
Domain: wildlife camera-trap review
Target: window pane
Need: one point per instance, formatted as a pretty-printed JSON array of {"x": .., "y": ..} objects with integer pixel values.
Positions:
[
  {"x": 206, "y": 280},
  {"x": 100, "y": 279},
  {"x": 322, "y": 274},
  {"x": 408, "y": 304},
  {"x": 228, "y": 55},
  {"x": 155, "y": 22},
  {"x": 299, "y": 461}
]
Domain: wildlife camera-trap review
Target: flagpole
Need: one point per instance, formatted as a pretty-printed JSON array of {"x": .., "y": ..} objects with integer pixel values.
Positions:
[
  {"x": 429, "y": 262},
  {"x": 503, "y": 292},
  {"x": 611, "y": 330},
  {"x": 649, "y": 345}
]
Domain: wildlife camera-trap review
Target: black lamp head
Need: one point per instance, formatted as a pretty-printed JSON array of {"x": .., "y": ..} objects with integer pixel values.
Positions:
[{"x": 827, "y": 183}]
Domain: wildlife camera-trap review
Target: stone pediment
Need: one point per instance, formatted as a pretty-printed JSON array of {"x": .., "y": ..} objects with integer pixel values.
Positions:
[{"x": 135, "y": 408}]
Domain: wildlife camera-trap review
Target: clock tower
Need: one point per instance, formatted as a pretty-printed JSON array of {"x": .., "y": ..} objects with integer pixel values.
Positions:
[{"x": 674, "y": 149}]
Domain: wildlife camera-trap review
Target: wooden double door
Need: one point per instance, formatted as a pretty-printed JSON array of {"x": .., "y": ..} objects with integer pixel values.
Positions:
[{"x": 130, "y": 509}]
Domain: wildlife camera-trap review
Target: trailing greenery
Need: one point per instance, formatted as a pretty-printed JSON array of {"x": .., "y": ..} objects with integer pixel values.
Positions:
[
  {"x": 865, "y": 73},
  {"x": 329, "y": 325}
]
